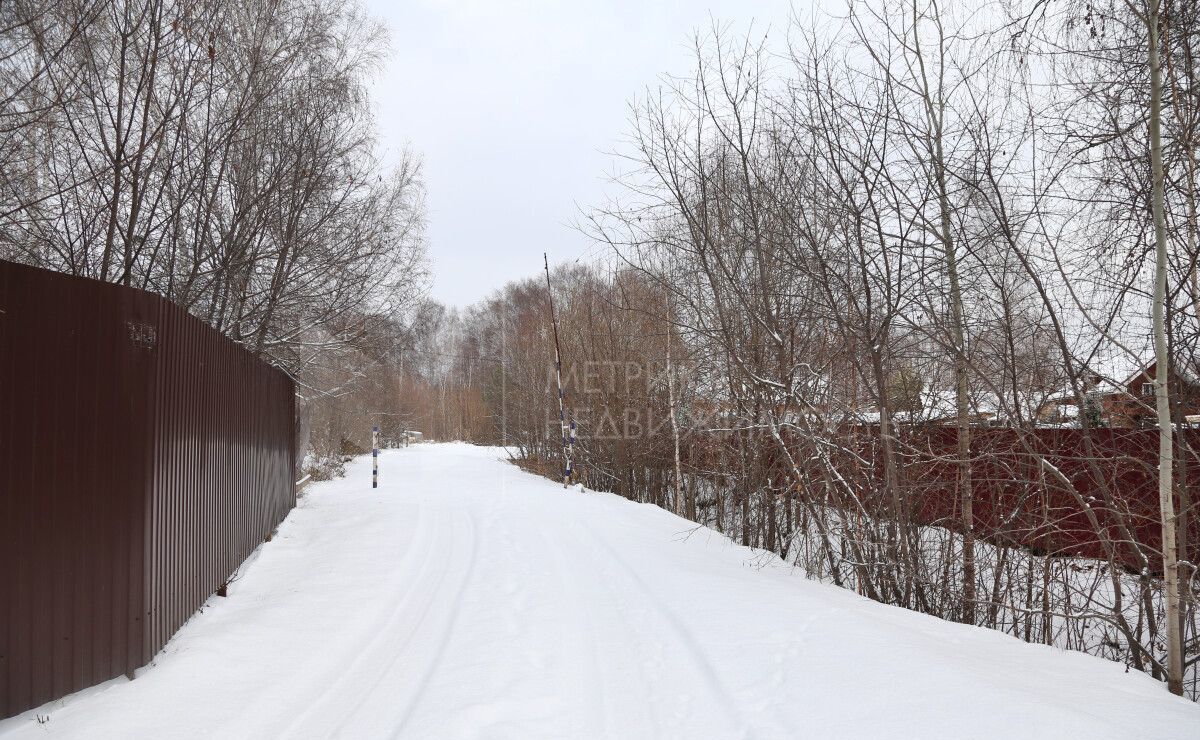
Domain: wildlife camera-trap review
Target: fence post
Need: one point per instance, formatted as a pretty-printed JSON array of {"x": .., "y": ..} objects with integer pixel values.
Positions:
[{"x": 375, "y": 456}]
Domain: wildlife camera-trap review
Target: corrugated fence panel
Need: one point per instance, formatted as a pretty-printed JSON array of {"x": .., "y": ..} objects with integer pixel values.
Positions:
[
  {"x": 143, "y": 456},
  {"x": 223, "y": 461}
]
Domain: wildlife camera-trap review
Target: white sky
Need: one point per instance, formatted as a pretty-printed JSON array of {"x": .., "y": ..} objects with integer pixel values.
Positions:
[{"x": 514, "y": 104}]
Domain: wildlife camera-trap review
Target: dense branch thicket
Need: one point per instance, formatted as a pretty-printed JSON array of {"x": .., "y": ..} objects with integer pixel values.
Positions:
[{"x": 220, "y": 154}]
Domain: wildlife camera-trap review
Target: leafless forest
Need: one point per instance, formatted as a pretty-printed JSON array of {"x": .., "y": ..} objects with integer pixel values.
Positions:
[
  {"x": 847, "y": 271},
  {"x": 220, "y": 154}
]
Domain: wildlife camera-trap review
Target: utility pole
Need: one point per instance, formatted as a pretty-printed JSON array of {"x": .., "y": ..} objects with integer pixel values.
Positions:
[
  {"x": 567, "y": 441},
  {"x": 504, "y": 373}
]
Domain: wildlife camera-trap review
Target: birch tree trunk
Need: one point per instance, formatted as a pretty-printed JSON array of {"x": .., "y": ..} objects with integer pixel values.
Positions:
[
  {"x": 680, "y": 509},
  {"x": 1162, "y": 363}
]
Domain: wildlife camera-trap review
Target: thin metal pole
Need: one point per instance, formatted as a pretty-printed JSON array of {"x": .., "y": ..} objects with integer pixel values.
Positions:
[
  {"x": 562, "y": 416},
  {"x": 375, "y": 456},
  {"x": 504, "y": 374}
]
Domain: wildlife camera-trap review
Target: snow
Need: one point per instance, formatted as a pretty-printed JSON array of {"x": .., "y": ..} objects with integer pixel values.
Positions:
[{"x": 467, "y": 599}]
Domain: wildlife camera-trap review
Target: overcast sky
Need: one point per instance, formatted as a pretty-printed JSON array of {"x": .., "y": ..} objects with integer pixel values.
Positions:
[{"x": 514, "y": 105}]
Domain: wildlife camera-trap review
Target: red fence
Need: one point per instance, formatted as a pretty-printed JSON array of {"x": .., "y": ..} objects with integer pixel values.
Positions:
[
  {"x": 1059, "y": 491},
  {"x": 143, "y": 456}
]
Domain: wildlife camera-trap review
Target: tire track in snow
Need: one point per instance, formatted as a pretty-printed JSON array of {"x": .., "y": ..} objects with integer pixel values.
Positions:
[
  {"x": 431, "y": 665},
  {"x": 584, "y": 626},
  {"x": 382, "y": 655},
  {"x": 791, "y": 643},
  {"x": 692, "y": 648},
  {"x": 380, "y": 666},
  {"x": 314, "y": 680}
]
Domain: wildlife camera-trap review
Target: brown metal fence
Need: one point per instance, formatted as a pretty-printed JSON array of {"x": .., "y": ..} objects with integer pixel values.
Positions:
[{"x": 143, "y": 456}]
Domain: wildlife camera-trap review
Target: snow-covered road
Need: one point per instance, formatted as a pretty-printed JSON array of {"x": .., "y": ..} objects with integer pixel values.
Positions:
[{"x": 467, "y": 599}]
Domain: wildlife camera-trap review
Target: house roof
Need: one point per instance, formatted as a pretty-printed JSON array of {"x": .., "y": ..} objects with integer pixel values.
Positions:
[
  {"x": 937, "y": 404},
  {"x": 1189, "y": 372}
]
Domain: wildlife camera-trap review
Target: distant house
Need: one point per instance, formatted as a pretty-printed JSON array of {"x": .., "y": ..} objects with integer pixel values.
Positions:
[
  {"x": 1061, "y": 408},
  {"x": 1127, "y": 403},
  {"x": 1058, "y": 412},
  {"x": 1133, "y": 405},
  {"x": 939, "y": 406}
]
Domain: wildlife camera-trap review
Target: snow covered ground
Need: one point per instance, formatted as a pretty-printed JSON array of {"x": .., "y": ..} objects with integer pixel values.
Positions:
[{"x": 467, "y": 599}]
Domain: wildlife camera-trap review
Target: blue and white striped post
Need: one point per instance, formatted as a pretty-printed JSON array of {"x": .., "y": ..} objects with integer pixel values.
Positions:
[
  {"x": 570, "y": 453},
  {"x": 375, "y": 456}
]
